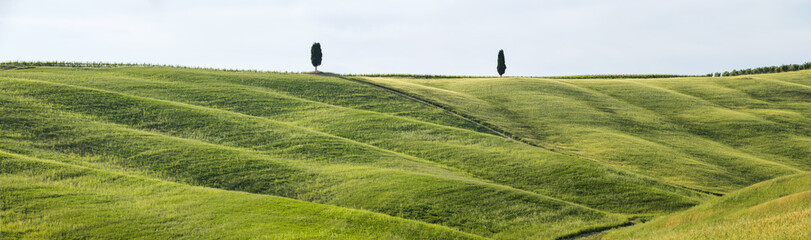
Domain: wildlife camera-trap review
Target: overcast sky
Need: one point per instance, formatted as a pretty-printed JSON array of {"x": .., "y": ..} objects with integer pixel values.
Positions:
[{"x": 539, "y": 38}]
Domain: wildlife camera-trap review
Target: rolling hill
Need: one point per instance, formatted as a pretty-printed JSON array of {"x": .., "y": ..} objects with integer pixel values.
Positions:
[
  {"x": 191, "y": 153},
  {"x": 51, "y": 200},
  {"x": 777, "y": 208},
  {"x": 710, "y": 134}
]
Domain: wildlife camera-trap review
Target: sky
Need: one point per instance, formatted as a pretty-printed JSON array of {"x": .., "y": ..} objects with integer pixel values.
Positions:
[{"x": 539, "y": 38}]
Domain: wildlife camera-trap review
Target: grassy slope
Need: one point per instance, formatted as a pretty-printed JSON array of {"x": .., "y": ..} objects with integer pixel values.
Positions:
[
  {"x": 332, "y": 141},
  {"x": 49, "y": 200},
  {"x": 351, "y": 146},
  {"x": 773, "y": 209},
  {"x": 335, "y": 112},
  {"x": 343, "y": 174},
  {"x": 712, "y": 134}
]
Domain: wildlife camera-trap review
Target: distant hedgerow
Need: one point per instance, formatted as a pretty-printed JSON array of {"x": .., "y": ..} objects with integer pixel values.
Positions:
[
  {"x": 769, "y": 69},
  {"x": 30, "y": 64},
  {"x": 600, "y": 76},
  {"x": 614, "y": 76}
]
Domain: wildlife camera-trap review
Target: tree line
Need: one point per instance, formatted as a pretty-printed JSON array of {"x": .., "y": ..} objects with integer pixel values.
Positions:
[
  {"x": 769, "y": 69},
  {"x": 30, "y": 64}
]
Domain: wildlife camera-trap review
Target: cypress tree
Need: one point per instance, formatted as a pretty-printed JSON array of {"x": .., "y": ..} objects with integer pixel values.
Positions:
[
  {"x": 501, "y": 65},
  {"x": 315, "y": 55}
]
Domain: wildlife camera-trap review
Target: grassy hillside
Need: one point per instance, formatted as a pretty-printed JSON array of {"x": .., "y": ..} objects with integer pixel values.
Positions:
[
  {"x": 366, "y": 153},
  {"x": 43, "y": 199},
  {"x": 317, "y": 139},
  {"x": 710, "y": 134},
  {"x": 775, "y": 209}
]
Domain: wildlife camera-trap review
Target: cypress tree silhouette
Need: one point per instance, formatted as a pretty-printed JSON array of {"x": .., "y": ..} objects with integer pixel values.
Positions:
[
  {"x": 315, "y": 55},
  {"x": 501, "y": 65}
]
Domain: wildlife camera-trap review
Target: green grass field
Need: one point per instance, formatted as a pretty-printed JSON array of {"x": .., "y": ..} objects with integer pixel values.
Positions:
[
  {"x": 774, "y": 209},
  {"x": 709, "y": 134},
  {"x": 50, "y": 200},
  {"x": 164, "y": 152}
]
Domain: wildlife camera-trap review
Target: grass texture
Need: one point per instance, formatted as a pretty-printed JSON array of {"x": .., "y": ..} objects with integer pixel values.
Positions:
[
  {"x": 774, "y": 209},
  {"x": 710, "y": 134},
  {"x": 165, "y": 152}
]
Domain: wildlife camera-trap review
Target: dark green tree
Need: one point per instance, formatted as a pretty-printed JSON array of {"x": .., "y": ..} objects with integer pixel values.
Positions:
[
  {"x": 501, "y": 65},
  {"x": 315, "y": 55}
]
